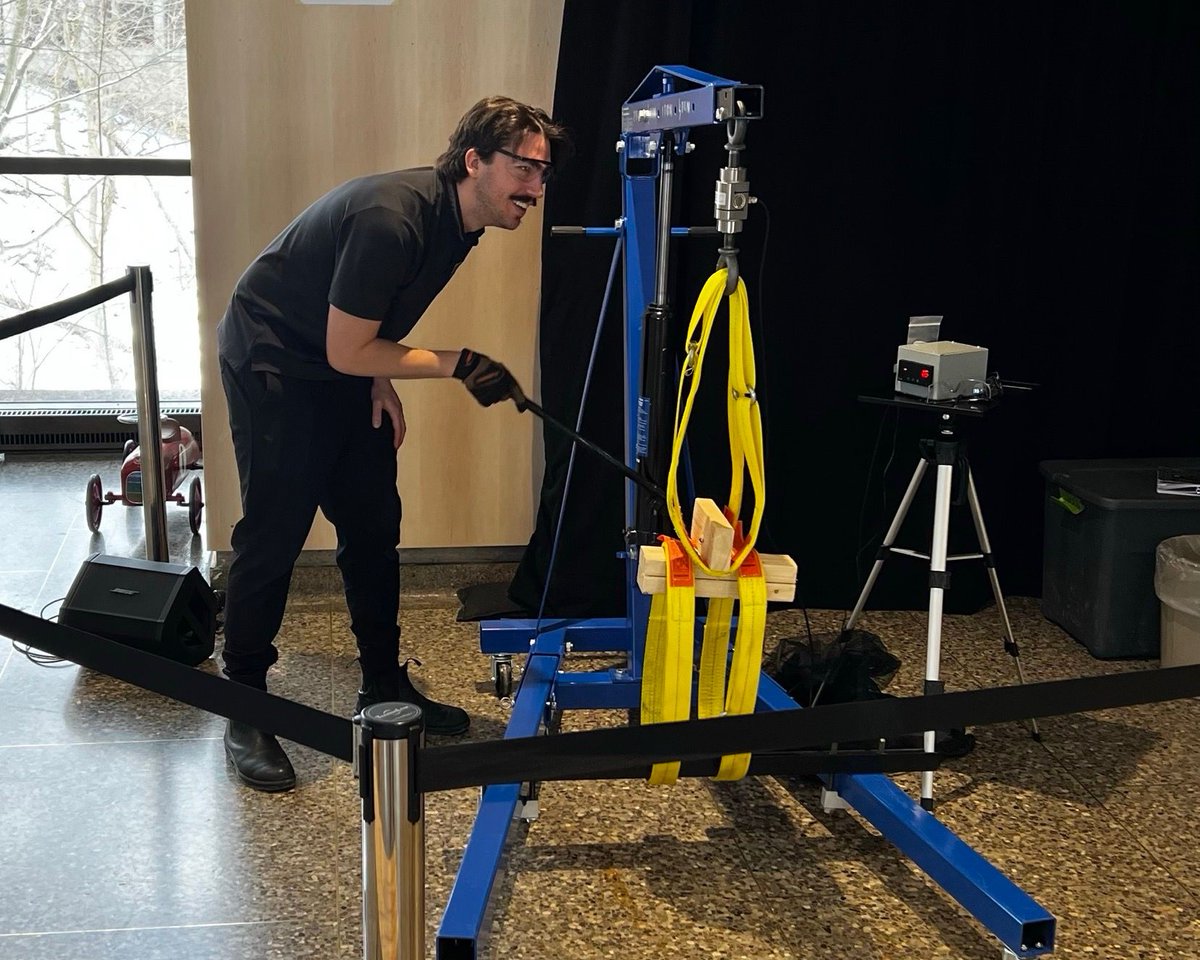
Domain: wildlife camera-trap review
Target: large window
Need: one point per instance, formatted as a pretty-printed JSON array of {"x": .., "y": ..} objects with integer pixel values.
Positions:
[{"x": 93, "y": 132}]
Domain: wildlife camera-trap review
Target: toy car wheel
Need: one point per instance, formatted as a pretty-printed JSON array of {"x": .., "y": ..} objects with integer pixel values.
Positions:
[
  {"x": 195, "y": 506},
  {"x": 94, "y": 502}
]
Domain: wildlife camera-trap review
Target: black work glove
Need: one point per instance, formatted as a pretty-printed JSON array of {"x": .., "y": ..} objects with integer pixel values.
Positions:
[{"x": 488, "y": 380}]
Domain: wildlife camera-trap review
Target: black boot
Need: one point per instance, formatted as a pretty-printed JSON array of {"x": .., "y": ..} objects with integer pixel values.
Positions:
[
  {"x": 258, "y": 758},
  {"x": 440, "y": 718}
]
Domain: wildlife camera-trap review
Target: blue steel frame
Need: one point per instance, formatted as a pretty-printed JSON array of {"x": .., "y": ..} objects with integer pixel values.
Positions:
[{"x": 1015, "y": 919}]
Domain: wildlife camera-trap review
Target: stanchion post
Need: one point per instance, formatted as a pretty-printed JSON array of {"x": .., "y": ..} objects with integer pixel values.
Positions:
[
  {"x": 145, "y": 373},
  {"x": 387, "y": 737}
]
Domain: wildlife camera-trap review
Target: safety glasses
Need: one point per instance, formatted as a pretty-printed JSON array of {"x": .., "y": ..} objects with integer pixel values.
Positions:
[{"x": 529, "y": 168}]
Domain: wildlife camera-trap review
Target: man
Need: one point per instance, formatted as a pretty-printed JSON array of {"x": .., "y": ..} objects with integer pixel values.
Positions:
[{"x": 308, "y": 350}]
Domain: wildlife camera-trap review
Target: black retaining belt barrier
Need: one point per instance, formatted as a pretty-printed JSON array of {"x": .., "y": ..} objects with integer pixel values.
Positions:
[
  {"x": 791, "y": 741},
  {"x": 40, "y": 316},
  {"x": 307, "y": 725}
]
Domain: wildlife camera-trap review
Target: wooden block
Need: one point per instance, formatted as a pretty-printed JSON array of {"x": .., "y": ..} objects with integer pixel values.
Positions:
[
  {"x": 712, "y": 534},
  {"x": 779, "y": 571}
]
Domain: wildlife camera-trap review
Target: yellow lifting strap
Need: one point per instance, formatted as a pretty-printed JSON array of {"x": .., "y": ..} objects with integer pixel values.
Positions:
[
  {"x": 741, "y": 693},
  {"x": 671, "y": 629},
  {"x": 745, "y": 419},
  {"x": 667, "y": 662}
]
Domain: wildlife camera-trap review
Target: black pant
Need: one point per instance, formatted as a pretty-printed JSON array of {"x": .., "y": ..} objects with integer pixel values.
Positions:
[{"x": 303, "y": 444}]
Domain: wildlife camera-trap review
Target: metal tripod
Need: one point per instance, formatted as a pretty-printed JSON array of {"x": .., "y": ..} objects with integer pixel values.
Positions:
[{"x": 948, "y": 454}]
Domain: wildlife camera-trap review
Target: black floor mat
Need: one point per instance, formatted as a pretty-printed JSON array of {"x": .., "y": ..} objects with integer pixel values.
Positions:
[{"x": 488, "y": 601}]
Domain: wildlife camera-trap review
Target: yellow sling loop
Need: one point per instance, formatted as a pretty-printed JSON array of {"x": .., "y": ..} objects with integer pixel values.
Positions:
[
  {"x": 745, "y": 420},
  {"x": 667, "y": 662},
  {"x": 673, "y": 634}
]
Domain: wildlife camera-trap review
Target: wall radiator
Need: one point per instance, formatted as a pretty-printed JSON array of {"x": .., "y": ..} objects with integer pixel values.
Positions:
[{"x": 48, "y": 427}]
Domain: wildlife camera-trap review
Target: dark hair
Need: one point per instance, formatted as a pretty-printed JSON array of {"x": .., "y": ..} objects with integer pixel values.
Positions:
[{"x": 500, "y": 122}]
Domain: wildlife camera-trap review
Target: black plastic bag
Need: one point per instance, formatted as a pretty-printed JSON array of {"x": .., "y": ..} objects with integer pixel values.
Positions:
[{"x": 848, "y": 667}]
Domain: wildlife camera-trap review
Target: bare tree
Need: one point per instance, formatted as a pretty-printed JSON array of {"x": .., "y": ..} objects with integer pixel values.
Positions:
[
  {"x": 24, "y": 29},
  {"x": 97, "y": 78}
]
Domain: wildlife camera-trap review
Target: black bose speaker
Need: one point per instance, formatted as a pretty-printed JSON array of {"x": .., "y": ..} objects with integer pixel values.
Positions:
[{"x": 164, "y": 608}]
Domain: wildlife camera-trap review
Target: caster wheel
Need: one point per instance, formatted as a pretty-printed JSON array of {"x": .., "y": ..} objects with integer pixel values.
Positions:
[
  {"x": 195, "y": 506},
  {"x": 503, "y": 679},
  {"x": 94, "y": 502}
]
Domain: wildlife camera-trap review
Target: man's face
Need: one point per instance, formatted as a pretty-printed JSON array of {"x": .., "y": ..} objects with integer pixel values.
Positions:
[{"x": 507, "y": 186}]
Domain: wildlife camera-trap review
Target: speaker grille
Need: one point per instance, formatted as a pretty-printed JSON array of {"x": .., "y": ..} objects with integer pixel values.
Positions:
[{"x": 163, "y": 608}]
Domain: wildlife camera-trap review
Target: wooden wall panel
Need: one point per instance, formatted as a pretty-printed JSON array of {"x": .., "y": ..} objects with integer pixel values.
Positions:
[{"x": 290, "y": 99}]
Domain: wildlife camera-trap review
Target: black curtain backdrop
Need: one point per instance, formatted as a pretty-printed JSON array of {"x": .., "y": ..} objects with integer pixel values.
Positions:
[{"x": 1028, "y": 170}]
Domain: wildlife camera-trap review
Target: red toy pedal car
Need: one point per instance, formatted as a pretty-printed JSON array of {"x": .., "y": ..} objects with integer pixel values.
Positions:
[{"x": 180, "y": 453}]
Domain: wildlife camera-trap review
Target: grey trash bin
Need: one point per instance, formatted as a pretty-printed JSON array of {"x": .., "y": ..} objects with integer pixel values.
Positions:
[{"x": 1177, "y": 583}]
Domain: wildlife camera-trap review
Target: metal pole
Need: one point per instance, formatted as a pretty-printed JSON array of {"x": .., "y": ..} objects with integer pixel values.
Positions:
[
  {"x": 937, "y": 589},
  {"x": 657, "y": 361},
  {"x": 145, "y": 372},
  {"x": 666, "y": 166},
  {"x": 387, "y": 736},
  {"x": 1010, "y": 641},
  {"x": 888, "y": 540}
]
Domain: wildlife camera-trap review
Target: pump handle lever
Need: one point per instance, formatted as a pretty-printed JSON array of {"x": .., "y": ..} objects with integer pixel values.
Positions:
[{"x": 524, "y": 403}]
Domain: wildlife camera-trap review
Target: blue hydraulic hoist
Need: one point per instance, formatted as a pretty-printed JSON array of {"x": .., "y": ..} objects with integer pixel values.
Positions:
[{"x": 656, "y": 122}]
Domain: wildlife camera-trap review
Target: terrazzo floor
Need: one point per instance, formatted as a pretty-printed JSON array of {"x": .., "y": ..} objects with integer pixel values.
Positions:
[{"x": 124, "y": 833}]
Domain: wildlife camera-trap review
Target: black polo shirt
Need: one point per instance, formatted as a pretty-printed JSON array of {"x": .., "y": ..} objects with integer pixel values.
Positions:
[{"x": 378, "y": 247}]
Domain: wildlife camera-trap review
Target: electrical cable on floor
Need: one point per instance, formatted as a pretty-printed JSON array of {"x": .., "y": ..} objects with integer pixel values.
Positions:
[
  {"x": 865, "y": 542},
  {"x": 760, "y": 336},
  {"x": 760, "y": 339},
  {"x": 765, "y": 401},
  {"x": 832, "y": 669},
  {"x": 587, "y": 381},
  {"x": 37, "y": 656}
]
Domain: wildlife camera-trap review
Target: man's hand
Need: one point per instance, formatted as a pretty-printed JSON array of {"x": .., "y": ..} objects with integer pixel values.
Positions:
[
  {"x": 383, "y": 398},
  {"x": 488, "y": 380}
]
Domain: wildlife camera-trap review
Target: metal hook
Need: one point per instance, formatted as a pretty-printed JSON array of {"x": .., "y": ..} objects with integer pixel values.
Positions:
[
  {"x": 735, "y": 133},
  {"x": 735, "y": 128},
  {"x": 728, "y": 260}
]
